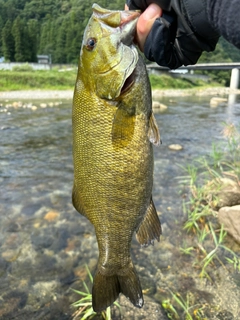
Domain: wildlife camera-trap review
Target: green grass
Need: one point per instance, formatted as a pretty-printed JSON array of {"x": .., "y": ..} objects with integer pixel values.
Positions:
[
  {"x": 166, "y": 81},
  {"x": 200, "y": 208},
  {"x": 178, "y": 307},
  {"x": 25, "y": 78},
  {"x": 36, "y": 79}
]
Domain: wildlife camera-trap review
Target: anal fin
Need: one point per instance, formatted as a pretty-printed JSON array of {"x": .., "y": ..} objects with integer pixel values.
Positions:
[{"x": 150, "y": 228}]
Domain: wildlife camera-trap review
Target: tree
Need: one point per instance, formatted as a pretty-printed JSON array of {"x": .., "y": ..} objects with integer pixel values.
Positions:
[
  {"x": 33, "y": 39},
  {"x": 60, "y": 52},
  {"x": 8, "y": 45},
  {"x": 19, "y": 37},
  {"x": 1, "y": 27}
]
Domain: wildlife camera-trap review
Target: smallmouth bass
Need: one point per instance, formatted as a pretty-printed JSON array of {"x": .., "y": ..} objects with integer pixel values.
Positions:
[{"x": 113, "y": 132}]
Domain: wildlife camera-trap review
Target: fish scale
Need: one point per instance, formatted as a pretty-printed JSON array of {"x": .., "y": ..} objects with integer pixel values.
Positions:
[{"x": 113, "y": 153}]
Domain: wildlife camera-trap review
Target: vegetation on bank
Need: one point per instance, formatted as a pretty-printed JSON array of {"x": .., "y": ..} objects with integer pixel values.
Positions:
[
  {"x": 28, "y": 79},
  {"x": 25, "y": 78},
  {"x": 208, "y": 245},
  {"x": 166, "y": 81}
]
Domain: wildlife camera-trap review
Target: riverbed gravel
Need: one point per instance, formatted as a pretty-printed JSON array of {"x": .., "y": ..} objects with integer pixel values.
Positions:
[{"x": 68, "y": 94}]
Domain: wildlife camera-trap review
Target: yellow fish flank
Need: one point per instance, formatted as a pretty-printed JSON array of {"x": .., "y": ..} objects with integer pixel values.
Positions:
[{"x": 113, "y": 132}]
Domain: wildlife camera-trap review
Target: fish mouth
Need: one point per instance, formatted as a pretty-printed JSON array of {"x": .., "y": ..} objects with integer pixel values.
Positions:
[{"x": 128, "y": 83}]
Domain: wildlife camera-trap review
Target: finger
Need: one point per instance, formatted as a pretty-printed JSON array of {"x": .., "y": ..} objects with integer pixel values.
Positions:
[
  {"x": 126, "y": 7},
  {"x": 145, "y": 23}
]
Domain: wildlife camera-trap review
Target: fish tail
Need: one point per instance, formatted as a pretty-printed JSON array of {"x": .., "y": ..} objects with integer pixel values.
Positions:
[
  {"x": 130, "y": 285},
  {"x": 107, "y": 288}
]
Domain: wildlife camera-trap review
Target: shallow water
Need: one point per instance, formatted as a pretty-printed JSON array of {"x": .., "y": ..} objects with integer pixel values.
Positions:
[{"x": 45, "y": 243}]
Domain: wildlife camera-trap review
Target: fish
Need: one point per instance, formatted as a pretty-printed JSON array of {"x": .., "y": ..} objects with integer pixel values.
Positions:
[{"x": 114, "y": 131}]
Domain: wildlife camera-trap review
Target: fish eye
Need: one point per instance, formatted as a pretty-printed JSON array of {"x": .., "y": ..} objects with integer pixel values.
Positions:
[{"x": 91, "y": 43}]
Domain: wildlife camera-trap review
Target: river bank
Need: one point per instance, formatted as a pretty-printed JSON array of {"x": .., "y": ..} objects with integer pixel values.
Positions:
[{"x": 68, "y": 94}]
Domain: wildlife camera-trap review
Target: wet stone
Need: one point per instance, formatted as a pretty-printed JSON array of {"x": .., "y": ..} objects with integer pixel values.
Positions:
[
  {"x": 4, "y": 264},
  {"x": 225, "y": 315},
  {"x": 30, "y": 209},
  {"x": 12, "y": 227},
  {"x": 42, "y": 241},
  {"x": 68, "y": 278},
  {"x": 11, "y": 303},
  {"x": 44, "y": 268},
  {"x": 148, "y": 285},
  {"x": 60, "y": 240},
  {"x": 175, "y": 147},
  {"x": 51, "y": 215},
  {"x": 10, "y": 255}
]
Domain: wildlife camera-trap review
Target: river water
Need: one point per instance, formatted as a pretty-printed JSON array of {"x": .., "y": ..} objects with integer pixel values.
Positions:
[{"x": 45, "y": 243}]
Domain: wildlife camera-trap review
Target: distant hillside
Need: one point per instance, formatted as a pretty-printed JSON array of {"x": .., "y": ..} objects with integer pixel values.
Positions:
[{"x": 31, "y": 27}]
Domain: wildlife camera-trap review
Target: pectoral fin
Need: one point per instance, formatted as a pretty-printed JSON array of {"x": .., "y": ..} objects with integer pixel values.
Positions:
[
  {"x": 150, "y": 228},
  {"x": 153, "y": 133},
  {"x": 123, "y": 127}
]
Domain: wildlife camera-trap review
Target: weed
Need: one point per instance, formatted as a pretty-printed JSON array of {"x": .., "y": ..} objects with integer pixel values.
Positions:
[
  {"x": 185, "y": 307},
  {"x": 84, "y": 305},
  {"x": 203, "y": 178}
]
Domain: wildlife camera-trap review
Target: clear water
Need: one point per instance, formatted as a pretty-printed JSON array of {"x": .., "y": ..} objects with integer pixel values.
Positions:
[{"x": 45, "y": 243}]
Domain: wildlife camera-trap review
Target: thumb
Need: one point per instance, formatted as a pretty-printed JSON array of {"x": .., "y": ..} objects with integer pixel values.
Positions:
[{"x": 145, "y": 23}]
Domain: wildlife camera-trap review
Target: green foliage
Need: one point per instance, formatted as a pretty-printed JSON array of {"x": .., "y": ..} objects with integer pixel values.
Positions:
[
  {"x": 222, "y": 53},
  {"x": 31, "y": 27},
  {"x": 8, "y": 45}
]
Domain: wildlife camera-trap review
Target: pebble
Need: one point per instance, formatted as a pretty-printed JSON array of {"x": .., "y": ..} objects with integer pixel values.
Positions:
[
  {"x": 51, "y": 215},
  {"x": 175, "y": 147},
  {"x": 10, "y": 255},
  {"x": 216, "y": 101},
  {"x": 159, "y": 106}
]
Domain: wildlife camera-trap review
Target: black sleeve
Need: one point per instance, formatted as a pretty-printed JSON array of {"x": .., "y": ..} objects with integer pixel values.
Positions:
[
  {"x": 143, "y": 4},
  {"x": 224, "y": 17},
  {"x": 181, "y": 35}
]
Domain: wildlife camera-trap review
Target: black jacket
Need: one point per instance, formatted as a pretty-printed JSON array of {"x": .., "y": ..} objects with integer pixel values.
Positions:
[{"x": 189, "y": 27}]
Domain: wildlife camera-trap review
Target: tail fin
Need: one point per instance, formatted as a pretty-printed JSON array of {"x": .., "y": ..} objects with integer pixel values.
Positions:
[{"x": 107, "y": 288}]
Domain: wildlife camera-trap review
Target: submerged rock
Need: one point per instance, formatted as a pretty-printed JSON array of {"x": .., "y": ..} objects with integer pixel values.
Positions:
[
  {"x": 216, "y": 101},
  {"x": 175, "y": 147},
  {"x": 158, "y": 106},
  {"x": 230, "y": 218}
]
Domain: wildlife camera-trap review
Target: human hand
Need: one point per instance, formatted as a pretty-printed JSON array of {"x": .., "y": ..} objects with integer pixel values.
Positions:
[{"x": 145, "y": 23}]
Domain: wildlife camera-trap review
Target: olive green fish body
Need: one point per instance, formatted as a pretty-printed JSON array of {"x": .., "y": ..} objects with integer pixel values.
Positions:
[{"x": 113, "y": 156}]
